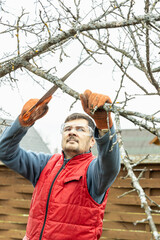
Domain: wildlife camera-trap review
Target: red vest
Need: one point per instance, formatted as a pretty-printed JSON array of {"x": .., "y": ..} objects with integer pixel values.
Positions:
[{"x": 61, "y": 206}]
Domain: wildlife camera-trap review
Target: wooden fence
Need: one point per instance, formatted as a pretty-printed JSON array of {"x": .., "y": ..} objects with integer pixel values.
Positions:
[{"x": 120, "y": 214}]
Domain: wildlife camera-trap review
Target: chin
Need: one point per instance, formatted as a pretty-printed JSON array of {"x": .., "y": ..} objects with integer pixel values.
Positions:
[
  {"x": 71, "y": 148},
  {"x": 74, "y": 150}
]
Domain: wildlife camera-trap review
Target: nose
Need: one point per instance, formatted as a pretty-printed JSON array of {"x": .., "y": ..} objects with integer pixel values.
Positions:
[{"x": 73, "y": 131}]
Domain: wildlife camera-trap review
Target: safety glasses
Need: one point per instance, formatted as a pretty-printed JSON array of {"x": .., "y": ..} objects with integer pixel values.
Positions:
[{"x": 79, "y": 129}]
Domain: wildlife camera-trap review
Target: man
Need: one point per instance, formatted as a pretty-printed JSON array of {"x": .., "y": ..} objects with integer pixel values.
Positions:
[{"x": 71, "y": 188}]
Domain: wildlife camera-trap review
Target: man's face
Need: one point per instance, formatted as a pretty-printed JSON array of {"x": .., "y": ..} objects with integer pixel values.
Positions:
[{"x": 76, "y": 138}]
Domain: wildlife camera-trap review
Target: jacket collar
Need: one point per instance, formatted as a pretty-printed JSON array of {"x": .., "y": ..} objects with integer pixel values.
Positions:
[{"x": 81, "y": 156}]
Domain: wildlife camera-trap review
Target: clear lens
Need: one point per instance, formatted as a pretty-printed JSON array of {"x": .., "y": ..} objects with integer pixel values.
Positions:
[{"x": 82, "y": 129}]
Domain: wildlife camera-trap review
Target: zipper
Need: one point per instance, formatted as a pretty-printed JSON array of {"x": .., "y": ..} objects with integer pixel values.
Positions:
[{"x": 49, "y": 194}]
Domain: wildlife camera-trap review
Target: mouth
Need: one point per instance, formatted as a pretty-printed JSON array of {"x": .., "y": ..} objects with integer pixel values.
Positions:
[{"x": 71, "y": 140}]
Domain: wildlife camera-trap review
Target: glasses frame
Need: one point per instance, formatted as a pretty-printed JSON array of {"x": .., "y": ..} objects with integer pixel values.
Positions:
[{"x": 74, "y": 126}]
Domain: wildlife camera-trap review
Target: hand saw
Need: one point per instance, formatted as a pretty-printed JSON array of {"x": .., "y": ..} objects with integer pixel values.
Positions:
[{"x": 50, "y": 92}]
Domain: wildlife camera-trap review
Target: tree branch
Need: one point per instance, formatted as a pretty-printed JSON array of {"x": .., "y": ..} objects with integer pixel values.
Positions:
[{"x": 15, "y": 63}]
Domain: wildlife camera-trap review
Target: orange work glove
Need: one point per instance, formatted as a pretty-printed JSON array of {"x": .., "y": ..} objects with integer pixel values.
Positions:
[
  {"x": 36, "y": 113},
  {"x": 155, "y": 141},
  {"x": 91, "y": 100}
]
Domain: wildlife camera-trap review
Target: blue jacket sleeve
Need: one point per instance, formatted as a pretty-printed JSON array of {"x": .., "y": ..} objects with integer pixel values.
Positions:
[
  {"x": 27, "y": 163},
  {"x": 104, "y": 169}
]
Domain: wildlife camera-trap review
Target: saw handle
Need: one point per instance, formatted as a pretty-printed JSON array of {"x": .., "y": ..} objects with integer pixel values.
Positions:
[{"x": 33, "y": 110}]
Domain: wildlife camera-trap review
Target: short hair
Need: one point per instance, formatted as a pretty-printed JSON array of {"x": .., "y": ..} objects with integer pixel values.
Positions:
[{"x": 75, "y": 116}]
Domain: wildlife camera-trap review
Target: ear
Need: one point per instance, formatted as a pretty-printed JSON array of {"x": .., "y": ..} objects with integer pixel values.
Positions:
[{"x": 92, "y": 142}]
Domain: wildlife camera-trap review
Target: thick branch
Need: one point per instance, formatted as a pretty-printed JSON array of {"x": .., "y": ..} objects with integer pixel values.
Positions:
[
  {"x": 52, "y": 79},
  {"x": 108, "y": 107}
]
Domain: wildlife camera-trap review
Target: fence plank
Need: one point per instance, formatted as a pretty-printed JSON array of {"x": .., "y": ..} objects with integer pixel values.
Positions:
[
  {"x": 145, "y": 183},
  {"x": 129, "y": 217},
  {"x": 122, "y": 235},
  {"x": 12, "y": 234}
]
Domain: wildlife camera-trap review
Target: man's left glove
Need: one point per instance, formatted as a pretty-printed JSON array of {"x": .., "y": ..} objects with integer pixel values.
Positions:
[
  {"x": 28, "y": 118},
  {"x": 90, "y": 101}
]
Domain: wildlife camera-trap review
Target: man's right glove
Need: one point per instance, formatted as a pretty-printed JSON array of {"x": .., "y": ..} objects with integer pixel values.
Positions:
[
  {"x": 28, "y": 118},
  {"x": 90, "y": 101}
]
